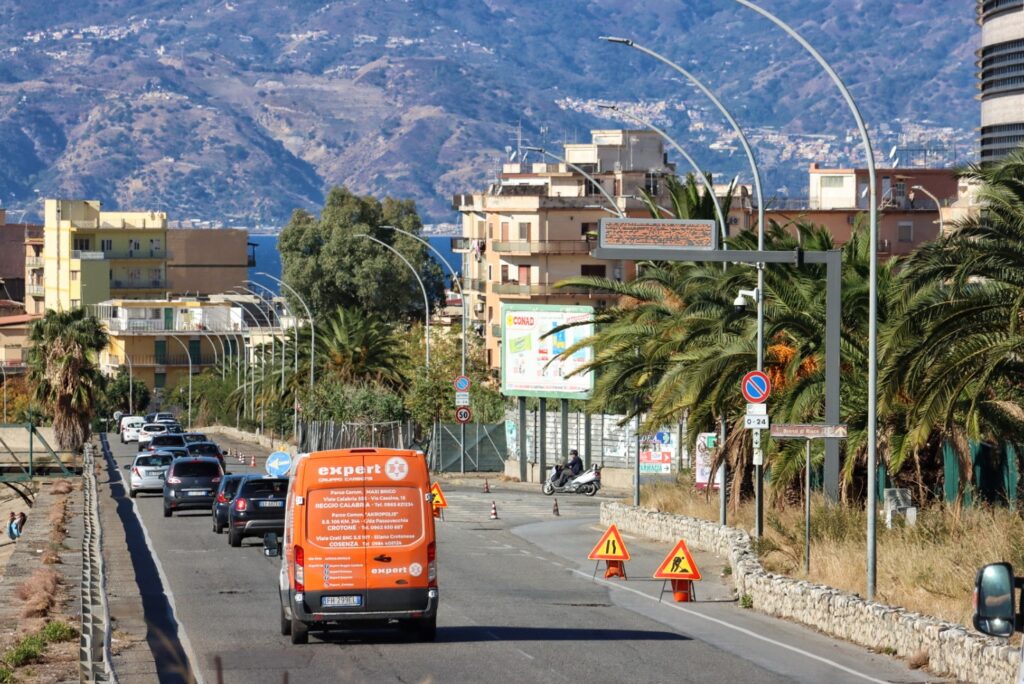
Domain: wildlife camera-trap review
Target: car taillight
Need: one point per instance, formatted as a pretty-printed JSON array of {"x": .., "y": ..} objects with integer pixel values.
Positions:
[
  {"x": 215, "y": 480},
  {"x": 136, "y": 473},
  {"x": 300, "y": 573},
  {"x": 174, "y": 480},
  {"x": 431, "y": 565},
  {"x": 241, "y": 504}
]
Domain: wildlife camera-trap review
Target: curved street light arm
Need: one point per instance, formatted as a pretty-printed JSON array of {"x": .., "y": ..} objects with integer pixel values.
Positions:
[
  {"x": 188, "y": 354},
  {"x": 596, "y": 183},
  {"x": 312, "y": 326},
  {"x": 280, "y": 322}
]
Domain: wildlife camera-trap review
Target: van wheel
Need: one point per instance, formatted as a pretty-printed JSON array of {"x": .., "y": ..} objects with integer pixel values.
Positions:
[
  {"x": 426, "y": 628},
  {"x": 286, "y": 624},
  {"x": 300, "y": 631},
  {"x": 234, "y": 539}
]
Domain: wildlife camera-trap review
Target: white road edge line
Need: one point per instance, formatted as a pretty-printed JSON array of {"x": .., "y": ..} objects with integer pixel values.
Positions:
[
  {"x": 182, "y": 634},
  {"x": 525, "y": 653},
  {"x": 741, "y": 630}
]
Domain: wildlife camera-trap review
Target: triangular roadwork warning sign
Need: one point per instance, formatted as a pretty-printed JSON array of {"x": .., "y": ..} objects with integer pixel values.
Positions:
[
  {"x": 611, "y": 547},
  {"x": 678, "y": 565},
  {"x": 437, "y": 499}
]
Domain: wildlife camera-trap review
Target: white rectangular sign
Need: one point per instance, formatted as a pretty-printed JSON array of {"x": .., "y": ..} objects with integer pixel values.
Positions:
[
  {"x": 532, "y": 360},
  {"x": 756, "y": 422},
  {"x": 462, "y": 398},
  {"x": 702, "y": 463},
  {"x": 757, "y": 409}
]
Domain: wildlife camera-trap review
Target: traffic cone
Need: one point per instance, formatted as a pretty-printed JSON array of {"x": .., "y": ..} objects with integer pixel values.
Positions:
[
  {"x": 616, "y": 568},
  {"x": 494, "y": 511},
  {"x": 682, "y": 591},
  {"x": 487, "y": 487},
  {"x": 252, "y": 461},
  {"x": 554, "y": 509}
]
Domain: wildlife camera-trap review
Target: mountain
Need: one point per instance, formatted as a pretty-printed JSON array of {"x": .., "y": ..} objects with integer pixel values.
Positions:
[{"x": 243, "y": 111}]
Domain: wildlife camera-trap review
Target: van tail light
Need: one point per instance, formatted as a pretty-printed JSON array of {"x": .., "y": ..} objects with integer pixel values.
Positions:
[
  {"x": 174, "y": 480},
  {"x": 431, "y": 564},
  {"x": 241, "y": 504},
  {"x": 300, "y": 573}
]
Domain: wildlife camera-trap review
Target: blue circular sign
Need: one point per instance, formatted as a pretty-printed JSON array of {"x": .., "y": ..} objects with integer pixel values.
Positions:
[
  {"x": 663, "y": 437},
  {"x": 278, "y": 464},
  {"x": 461, "y": 384},
  {"x": 756, "y": 387}
]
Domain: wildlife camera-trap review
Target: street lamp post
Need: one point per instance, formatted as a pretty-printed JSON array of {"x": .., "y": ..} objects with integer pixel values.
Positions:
[
  {"x": 131, "y": 372},
  {"x": 280, "y": 323},
  {"x": 465, "y": 315},
  {"x": 312, "y": 326},
  {"x": 938, "y": 207},
  {"x": 188, "y": 355},
  {"x": 4, "y": 371},
  {"x": 758, "y": 459},
  {"x": 263, "y": 364},
  {"x": 872, "y": 426}
]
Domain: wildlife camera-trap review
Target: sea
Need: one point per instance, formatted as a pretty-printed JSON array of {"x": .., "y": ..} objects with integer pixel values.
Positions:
[{"x": 268, "y": 259}]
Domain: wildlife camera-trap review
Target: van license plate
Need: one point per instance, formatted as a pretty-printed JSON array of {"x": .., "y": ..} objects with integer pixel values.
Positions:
[{"x": 340, "y": 601}]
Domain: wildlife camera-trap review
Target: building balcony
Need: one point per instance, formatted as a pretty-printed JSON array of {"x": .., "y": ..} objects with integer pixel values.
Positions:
[
  {"x": 35, "y": 290},
  {"x": 86, "y": 255},
  {"x": 33, "y": 262},
  {"x": 475, "y": 285},
  {"x": 152, "y": 326},
  {"x": 151, "y": 360},
  {"x": 461, "y": 245},
  {"x": 157, "y": 284},
  {"x": 514, "y": 289},
  {"x": 138, "y": 254},
  {"x": 524, "y": 247}
]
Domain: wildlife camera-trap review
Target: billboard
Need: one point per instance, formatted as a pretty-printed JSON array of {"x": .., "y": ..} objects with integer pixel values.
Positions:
[
  {"x": 706, "y": 442},
  {"x": 648, "y": 234},
  {"x": 528, "y": 364}
]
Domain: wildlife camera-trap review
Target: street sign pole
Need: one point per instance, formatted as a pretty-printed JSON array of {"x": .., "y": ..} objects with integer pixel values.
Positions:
[{"x": 807, "y": 507}]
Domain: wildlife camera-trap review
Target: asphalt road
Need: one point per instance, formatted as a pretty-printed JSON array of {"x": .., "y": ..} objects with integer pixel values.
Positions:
[{"x": 518, "y": 603}]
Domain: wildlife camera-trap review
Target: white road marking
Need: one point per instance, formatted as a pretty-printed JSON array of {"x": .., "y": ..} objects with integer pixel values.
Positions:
[
  {"x": 525, "y": 653},
  {"x": 741, "y": 630}
]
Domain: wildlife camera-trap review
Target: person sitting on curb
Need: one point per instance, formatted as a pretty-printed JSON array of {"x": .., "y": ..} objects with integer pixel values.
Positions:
[{"x": 12, "y": 527}]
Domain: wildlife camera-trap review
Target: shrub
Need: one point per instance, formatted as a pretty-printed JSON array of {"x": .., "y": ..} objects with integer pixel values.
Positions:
[
  {"x": 28, "y": 650},
  {"x": 58, "y": 631}
]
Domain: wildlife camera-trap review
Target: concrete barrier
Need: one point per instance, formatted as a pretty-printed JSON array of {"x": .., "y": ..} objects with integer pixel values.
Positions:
[{"x": 952, "y": 649}]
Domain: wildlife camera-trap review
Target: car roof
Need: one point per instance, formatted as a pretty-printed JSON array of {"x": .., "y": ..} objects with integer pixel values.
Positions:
[{"x": 204, "y": 459}]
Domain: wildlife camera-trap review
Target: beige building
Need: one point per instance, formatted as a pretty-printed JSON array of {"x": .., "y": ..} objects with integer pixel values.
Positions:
[
  {"x": 530, "y": 228},
  {"x": 1001, "y": 77},
  {"x": 204, "y": 261},
  {"x": 14, "y": 332}
]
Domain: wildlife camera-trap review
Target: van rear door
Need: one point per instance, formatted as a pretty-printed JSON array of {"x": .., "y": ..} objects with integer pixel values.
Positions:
[
  {"x": 335, "y": 550},
  {"x": 397, "y": 533}
]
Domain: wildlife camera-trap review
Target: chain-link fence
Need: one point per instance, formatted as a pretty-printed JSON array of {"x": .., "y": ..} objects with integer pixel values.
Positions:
[{"x": 320, "y": 435}]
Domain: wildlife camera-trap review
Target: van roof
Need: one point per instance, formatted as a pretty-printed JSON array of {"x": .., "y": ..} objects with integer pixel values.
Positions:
[{"x": 360, "y": 452}]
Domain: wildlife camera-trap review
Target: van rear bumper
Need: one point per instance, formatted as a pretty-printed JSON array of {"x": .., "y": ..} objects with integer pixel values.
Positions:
[{"x": 378, "y": 604}]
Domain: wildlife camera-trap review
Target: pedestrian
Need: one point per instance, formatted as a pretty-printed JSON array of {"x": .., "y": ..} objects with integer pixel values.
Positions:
[
  {"x": 12, "y": 527},
  {"x": 21, "y": 522}
]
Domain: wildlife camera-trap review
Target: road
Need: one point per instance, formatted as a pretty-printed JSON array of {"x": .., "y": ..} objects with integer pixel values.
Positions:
[{"x": 518, "y": 603}]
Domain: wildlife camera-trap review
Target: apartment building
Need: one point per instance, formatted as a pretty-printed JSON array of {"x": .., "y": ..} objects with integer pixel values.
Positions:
[
  {"x": 207, "y": 261},
  {"x": 531, "y": 228},
  {"x": 12, "y": 256},
  {"x": 909, "y": 203},
  {"x": 1001, "y": 76}
]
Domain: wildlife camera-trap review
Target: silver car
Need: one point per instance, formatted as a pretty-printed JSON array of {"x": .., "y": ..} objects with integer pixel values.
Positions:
[{"x": 147, "y": 472}]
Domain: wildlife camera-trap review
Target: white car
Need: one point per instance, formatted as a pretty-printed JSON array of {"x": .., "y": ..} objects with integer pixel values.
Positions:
[
  {"x": 147, "y": 472},
  {"x": 147, "y": 431},
  {"x": 130, "y": 429}
]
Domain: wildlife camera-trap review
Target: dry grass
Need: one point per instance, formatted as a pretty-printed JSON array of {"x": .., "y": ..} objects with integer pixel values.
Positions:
[
  {"x": 928, "y": 568},
  {"x": 39, "y": 593},
  {"x": 62, "y": 487}
]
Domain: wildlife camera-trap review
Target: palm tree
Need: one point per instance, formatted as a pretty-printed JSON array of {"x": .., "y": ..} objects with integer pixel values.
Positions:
[
  {"x": 361, "y": 349},
  {"x": 63, "y": 372}
]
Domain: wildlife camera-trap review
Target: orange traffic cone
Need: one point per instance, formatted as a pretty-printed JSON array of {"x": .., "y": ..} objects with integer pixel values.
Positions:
[
  {"x": 252, "y": 461},
  {"x": 494, "y": 511},
  {"x": 487, "y": 487},
  {"x": 682, "y": 591},
  {"x": 554, "y": 509},
  {"x": 616, "y": 568}
]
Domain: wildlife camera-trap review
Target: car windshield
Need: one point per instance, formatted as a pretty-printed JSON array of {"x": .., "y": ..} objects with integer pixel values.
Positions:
[
  {"x": 155, "y": 428},
  {"x": 168, "y": 440},
  {"x": 275, "y": 487},
  {"x": 154, "y": 460},
  {"x": 231, "y": 486},
  {"x": 196, "y": 469},
  {"x": 204, "y": 449},
  {"x": 195, "y": 437},
  {"x": 164, "y": 416}
]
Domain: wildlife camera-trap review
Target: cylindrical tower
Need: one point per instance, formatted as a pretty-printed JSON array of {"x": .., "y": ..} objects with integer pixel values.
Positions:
[{"x": 1001, "y": 76}]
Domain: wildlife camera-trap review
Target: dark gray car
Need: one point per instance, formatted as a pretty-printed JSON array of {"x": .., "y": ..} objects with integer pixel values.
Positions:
[{"x": 191, "y": 483}]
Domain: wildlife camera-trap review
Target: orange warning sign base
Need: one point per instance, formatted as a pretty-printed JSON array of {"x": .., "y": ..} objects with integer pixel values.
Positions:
[
  {"x": 611, "y": 547},
  {"x": 678, "y": 565},
  {"x": 437, "y": 500}
]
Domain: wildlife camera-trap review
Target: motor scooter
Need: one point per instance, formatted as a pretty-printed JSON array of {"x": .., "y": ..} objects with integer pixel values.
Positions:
[{"x": 588, "y": 482}]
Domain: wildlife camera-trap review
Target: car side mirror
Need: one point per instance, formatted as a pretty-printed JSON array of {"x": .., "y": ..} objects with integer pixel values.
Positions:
[
  {"x": 271, "y": 545},
  {"x": 994, "y": 600},
  {"x": 128, "y": 466}
]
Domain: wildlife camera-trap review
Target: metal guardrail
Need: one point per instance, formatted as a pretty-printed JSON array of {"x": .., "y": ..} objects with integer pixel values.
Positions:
[{"x": 94, "y": 663}]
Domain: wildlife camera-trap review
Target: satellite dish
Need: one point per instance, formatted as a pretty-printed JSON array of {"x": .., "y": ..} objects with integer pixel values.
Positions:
[{"x": 892, "y": 152}]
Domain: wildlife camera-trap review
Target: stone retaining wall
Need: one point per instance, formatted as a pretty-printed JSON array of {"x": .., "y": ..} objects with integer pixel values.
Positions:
[{"x": 952, "y": 649}]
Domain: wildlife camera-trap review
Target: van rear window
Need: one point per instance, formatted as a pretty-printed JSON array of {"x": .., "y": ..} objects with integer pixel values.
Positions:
[
  {"x": 197, "y": 469},
  {"x": 342, "y": 518}
]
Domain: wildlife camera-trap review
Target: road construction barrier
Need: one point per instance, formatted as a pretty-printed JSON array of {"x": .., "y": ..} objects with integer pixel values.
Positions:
[{"x": 94, "y": 642}]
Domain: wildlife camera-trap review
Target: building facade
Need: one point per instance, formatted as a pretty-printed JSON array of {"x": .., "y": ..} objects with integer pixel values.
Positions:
[
  {"x": 1001, "y": 76},
  {"x": 533, "y": 226},
  {"x": 205, "y": 261}
]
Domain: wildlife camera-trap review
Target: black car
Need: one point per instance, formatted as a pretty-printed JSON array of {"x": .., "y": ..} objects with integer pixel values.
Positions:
[
  {"x": 228, "y": 488},
  {"x": 191, "y": 437},
  {"x": 258, "y": 508},
  {"x": 206, "y": 449},
  {"x": 164, "y": 439},
  {"x": 191, "y": 483}
]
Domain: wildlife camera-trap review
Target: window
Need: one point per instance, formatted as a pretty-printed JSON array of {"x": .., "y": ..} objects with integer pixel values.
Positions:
[
  {"x": 833, "y": 181},
  {"x": 490, "y": 272},
  {"x": 76, "y": 303},
  {"x": 591, "y": 189},
  {"x": 74, "y": 276},
  {"x": 159, "y": 380},
  {"x": 504, "y": 273},
  {"x": 905, "y": 231},
  {"x": 651, "y": 184},
  {"x": 524, "y": 232},
  {"x": 80, "y": 244},
  {"x": 133, "y": 244},
  {"x": 597, "y": 270},
  {"x": 106, "y": 245},
  {"x": 587, "y": 229}
]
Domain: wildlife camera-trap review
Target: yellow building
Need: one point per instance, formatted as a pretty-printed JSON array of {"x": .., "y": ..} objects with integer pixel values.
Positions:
[
  {"x": 529, "y": 230},
  {"x": 91, "y": 255}
]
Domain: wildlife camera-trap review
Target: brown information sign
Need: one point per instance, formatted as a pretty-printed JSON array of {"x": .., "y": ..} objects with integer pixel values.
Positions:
[
  {"x": 802, "y": 431},
  {"x": 657, "y": 234}
]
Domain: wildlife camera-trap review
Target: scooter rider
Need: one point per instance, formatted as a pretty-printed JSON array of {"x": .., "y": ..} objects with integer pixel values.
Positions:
[{"x": 571, "y": 469}]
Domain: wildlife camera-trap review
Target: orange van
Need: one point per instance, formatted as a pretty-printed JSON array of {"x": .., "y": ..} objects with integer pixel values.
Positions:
[{"x": 359, "y": 546}]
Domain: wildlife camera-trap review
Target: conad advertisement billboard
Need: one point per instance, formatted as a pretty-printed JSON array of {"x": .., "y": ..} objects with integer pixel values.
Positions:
[{"x": 529, "y": 367}]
